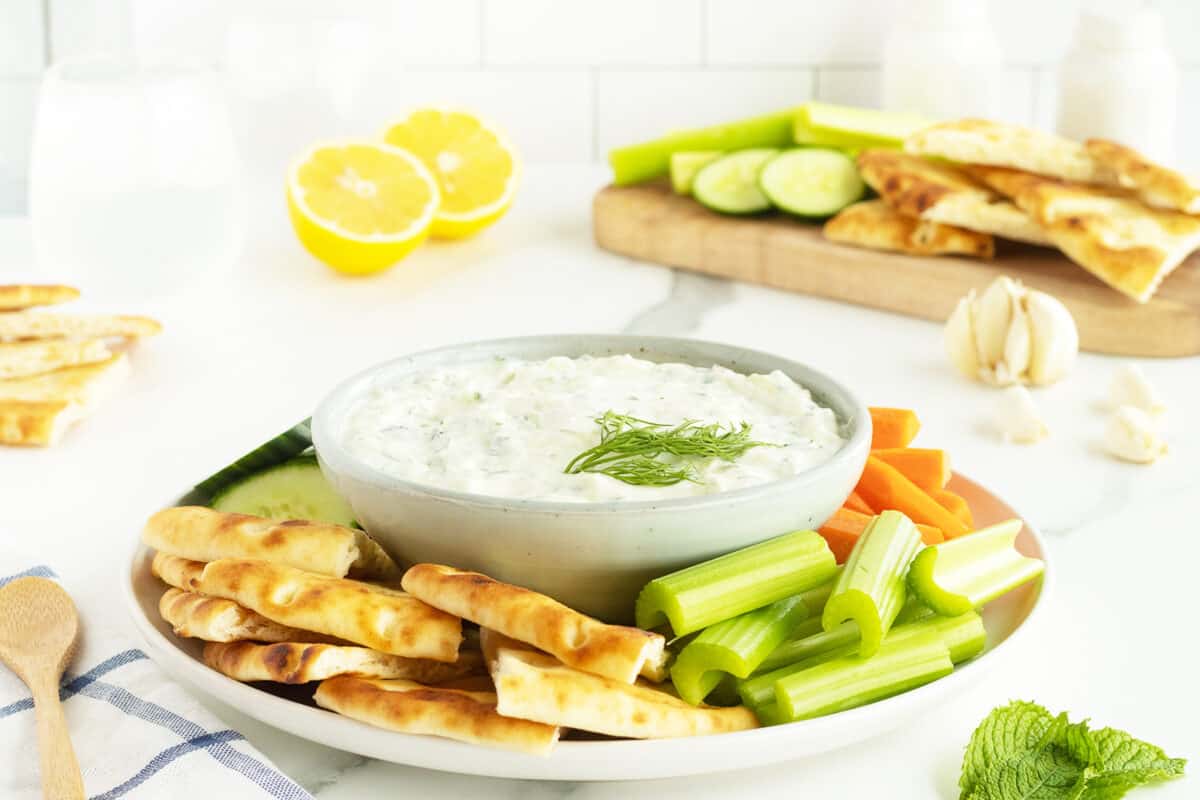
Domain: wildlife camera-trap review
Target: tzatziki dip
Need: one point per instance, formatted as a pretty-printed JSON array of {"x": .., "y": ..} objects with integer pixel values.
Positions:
[{"x": 507, "y": 427}]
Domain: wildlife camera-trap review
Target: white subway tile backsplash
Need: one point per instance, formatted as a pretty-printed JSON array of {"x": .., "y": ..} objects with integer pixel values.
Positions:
[
  {"x": 1034, "y": 31},
  {"x": 852, "y": 86},
  {"x": 613, "y": 32},
  {"x": 18, "y": 98},
  {"x": 21, "y": 37},
  {"x": 443, "y": 33},
  {"x": 1187, "y": 130},
  {"x": 791, "y": 32},
  {"x": 634, "y": 105}
]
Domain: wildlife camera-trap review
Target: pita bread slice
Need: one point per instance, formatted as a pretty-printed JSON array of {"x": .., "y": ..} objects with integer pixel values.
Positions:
[
  {"x": 408, "y": 707},
  {"x": 203, "y": 534},
  {"x": 297, "y": 662},
  {"x": 1121, "y": 241},
  {"x": 980, "y": 141},
  {"x": 22, "y": 296},
  {"x": 18, "y": 325},
  {"x": 181, "y": 573},
  {"x": 940, "y": 192},
  {"x": 616, "y": 651},
  {"x": 39, "y": 409},
  {"x": 875, "y": 225},
  {"x": 373, "y": 616},
  {"x": 538, "y": 687},
  {"x": 1154, "y": 184},
  {"x": 23, "y": 359},
  {"x": 214, "y": 619}
]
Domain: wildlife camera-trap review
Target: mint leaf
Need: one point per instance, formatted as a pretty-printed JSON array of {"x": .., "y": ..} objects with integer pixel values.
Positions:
[
  {"x": 1124, "y": 763},
  {"x": 1055, "y": 768},
  {"x": 1006, "y": 733}
]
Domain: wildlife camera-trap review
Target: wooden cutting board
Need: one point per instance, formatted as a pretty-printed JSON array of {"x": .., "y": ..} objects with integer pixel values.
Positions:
[{"x": 651, "y": 223}]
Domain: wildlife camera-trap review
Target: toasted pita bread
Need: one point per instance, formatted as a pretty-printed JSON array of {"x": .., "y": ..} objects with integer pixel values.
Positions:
[
  {"x": 538, "y": 687},
  {"x": 19, "y": 325},
  {"x": 202, "y": 534},
  {"x": 215, "y": 619},
  {"x": 181, "y": 573},
  {"x": 616, "y": 651},
  {"x": 940, "y": 192},
  {"x": 38, "y": 410},
  {"x": 297, "y": 662},
  {"x": 877, "y": 226},
  {"x": 22, "y": 296},
  {"x": 23, "y": 359},
  {"x": 409, "y": 707},
  {"x": 373, "y": 616},
  {"x": 980, "y": 141},
  {"x": 1121, "y": 241},
  {"x": 1154, "y": 184}
]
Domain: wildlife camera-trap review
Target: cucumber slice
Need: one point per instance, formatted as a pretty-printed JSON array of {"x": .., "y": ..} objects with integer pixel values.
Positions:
[
  {"x": 847, "y": 127},
  {"x": 295, "y": 489},
  {"x": 730, "y": 184},
  {"x": 811, "y": 182},
  {"x": 286, "y": 445},
  {"x": 685, "y": 166}
]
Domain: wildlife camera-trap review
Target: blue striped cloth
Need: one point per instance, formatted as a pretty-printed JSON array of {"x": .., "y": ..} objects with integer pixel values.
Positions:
[{"x": 137, "y": 733}]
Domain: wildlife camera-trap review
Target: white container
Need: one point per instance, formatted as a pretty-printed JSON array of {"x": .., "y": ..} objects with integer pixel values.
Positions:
[
  {"x": 941, "y": 60},
  {"x": 1119, "y": 82}
]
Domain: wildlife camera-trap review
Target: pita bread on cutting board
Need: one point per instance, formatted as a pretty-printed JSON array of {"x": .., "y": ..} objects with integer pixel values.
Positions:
[
  {"x": 940, "y": 192},
  {"x": 38, "y": 410},
  {"x": 21, "y": 296},
  {"x": 1153, "y": 183},
  {"x": 203, "y": 534},
  {"x": 408, "y": 707},
  {"x": 981, "y": 141},
  {"x": 214, "y": 619},
  {"x": 616, "y": 651},
  {"x": 296, "y": 662},
  {"x": 875, "y": 225},
  {"x": 18, "y": 325},
  {"x": 1108, "y": 232},
  {"x": 24, "y": 359}
]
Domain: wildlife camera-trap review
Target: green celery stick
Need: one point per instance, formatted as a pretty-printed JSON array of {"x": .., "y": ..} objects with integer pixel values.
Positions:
[
  {"x": 741, "y": 581},
  {"x": 850, "y": 128},
  {"x": 641, "y": 162},
  {"x": 960, "y": 575},
  {"x": 769, "y": 713},
  {"x": 870, "y": 589},
  {"x": 684, "y": 166}
]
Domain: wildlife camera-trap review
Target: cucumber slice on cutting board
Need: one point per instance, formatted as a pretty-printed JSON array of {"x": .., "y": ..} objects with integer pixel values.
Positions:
[
  {"x": 286, "y": 445},
  {"x": 686, "y": 165},
  {"x": 811, "y": 182},
  {"x": 295, "y": 489},
  {"x": 851, "y": 128},
  {"x": 730, "y": 184}
]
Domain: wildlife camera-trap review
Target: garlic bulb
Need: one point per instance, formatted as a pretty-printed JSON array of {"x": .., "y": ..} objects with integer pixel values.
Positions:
[
  {"x": 1011, "y": 334},
  {"x": 1131, "y": 387},
  {"x": 1017, "y": 418},
  {"x": 1131, "y": 436}
]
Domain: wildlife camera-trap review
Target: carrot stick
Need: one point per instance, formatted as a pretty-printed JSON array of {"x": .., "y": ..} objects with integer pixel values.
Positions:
[
  {"x": 893, "y": 427},
  {"x": 956, "y": 504},
  {"x": 842, "y": 530},
  {"x": 858, "y": 504},
  {"x": 885, "y": 487},
  {"x": 926, "y": 467}
]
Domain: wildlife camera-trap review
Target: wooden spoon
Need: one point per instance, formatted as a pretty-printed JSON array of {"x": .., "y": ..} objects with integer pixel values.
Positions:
[{"x": 39, "y": 629}]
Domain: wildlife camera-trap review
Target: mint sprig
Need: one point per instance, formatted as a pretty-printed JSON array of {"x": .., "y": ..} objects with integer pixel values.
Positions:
[{"x": 1023, "y": 752}]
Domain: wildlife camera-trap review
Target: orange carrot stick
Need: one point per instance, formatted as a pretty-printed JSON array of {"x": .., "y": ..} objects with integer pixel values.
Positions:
[
  {"x": 842, "y": 530},
  {"x": 956, "y": 504},
  {"x": 893, "y": 427},
  {"x": 858, "y": 504},
  {"x": 885, "y": 487},
  {"x": 926, "y": 467}
]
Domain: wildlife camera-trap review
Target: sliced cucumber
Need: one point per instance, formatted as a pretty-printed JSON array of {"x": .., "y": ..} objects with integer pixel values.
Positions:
[
  {"x": 847, "y": 127},
  {"x": 295, "y": 489},
  {"x": 686, "y": 164},
  {"x": 730, "y": 184},
  {"x": 811, "y": 182},
  {"x": 286, "y": 445}
]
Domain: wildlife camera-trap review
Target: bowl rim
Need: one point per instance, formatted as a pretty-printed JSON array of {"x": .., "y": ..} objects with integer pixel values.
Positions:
[{"x": 332, "y": 454}]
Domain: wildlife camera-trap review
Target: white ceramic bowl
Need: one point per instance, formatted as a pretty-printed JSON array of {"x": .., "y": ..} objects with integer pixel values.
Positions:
[{"x": 591, "y": 556}]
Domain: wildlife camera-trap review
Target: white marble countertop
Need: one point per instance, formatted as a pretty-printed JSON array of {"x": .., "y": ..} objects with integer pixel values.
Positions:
[{"x": 246, "y": 356}]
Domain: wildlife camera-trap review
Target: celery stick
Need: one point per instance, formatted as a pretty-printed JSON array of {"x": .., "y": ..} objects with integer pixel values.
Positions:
[
  {"x": 641, "y": 162},
  {"x": 725, "y": 587},
  {"x": 850, "y": 128},
  {"x": 769, "y": 713},
  {"x": 856, "y": 680},
  {"x": 686, "y": 164},
  {"x": 870, "y": 589},
  {"x": 957, "y": 576}
]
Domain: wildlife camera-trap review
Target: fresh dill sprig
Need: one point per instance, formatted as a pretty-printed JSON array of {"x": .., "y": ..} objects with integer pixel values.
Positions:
[{"x": 630, "y": 448}]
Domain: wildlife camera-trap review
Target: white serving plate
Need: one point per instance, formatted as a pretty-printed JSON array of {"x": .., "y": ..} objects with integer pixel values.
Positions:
[{"x": 1006, "y": 620}]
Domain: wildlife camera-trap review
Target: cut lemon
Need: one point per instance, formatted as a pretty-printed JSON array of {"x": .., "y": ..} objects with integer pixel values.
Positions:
[
  {"x": 361, "y": 206},
  {"x": 476, "y": 167}
]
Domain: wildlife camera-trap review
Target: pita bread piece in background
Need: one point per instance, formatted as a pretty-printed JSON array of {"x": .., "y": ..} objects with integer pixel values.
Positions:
[
  {"x": 940, "y": 192},
  {"x": 19, "y": 325},
  {"x": 1154, "y": 184},
  {"x": 1108, "y": 232},
  {"x": 25, "y": 359},
  {"x": 21, "y": 296},
  {"x": 214, "y": 619},
  {"x": 875, "y": 225},
  {"x": 298, "y": 662},
  {"x": 38, "y": 410},
  {"x": 980, "y": 141}
]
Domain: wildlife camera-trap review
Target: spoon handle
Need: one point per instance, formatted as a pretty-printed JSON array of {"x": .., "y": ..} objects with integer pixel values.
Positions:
[{"x": 60, "y": 771}]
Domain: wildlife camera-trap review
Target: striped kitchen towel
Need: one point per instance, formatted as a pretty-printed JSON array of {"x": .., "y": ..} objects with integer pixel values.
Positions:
[{"x": 137, "y": 733}]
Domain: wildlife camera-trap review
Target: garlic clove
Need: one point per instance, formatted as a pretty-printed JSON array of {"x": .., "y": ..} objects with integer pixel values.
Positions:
[
  {"x": 1017, "y": 347},
  {"x": 1131, "y": 387},
  {"x": 1054, "y": 338},
  {"x": 959, "y": 337},
  {"x": 993, "y": 315},
  {"x": 1130, "y": 436},
  {"x": 1017, "y": 418}
]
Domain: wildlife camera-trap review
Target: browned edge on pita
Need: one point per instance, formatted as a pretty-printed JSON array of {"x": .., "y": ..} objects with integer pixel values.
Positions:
[
  {"x": 18, "y": 325},
  {"x": 301, "y": 662},
  {"x": 1155, "y": 184},
  {"x": 25, "y": 359},
  {"x": 215, "y": 619},
  {"x": 17, "y": 297},
  {"x": 876, "y": 226}
]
